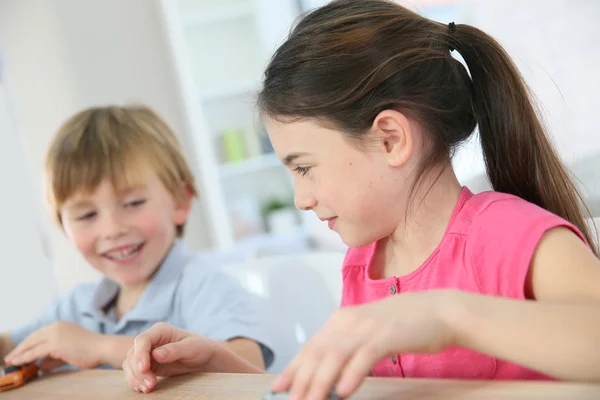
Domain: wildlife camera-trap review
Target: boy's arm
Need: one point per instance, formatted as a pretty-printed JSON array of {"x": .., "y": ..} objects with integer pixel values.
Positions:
[
  {"x": 113, "y": 349},
  {"x": 248, "y": 350},
  {"x": 6, "y": 345},
  {"x": 221, "y": 309}
]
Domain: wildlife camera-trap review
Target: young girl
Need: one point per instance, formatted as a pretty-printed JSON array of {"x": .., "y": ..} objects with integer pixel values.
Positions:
[{"x": 366, "y": 104}]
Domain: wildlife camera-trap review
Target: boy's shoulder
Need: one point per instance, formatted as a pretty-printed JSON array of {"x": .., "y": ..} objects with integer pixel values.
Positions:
[
  {"x": 73, "y": 304},
  {"x": 81, "y": 293},
  {"x": 205, "y": 274}
]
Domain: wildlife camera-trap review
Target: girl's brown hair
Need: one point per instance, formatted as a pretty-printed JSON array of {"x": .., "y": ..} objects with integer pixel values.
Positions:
[{"x": 349, "y": 60}]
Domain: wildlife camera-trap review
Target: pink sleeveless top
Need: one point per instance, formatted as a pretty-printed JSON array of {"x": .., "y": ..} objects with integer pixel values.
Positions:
[{"x": 486, "y": 249}]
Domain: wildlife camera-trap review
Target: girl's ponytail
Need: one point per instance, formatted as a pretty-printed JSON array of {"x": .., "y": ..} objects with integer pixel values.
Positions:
[{"x": 519, "y": 156}]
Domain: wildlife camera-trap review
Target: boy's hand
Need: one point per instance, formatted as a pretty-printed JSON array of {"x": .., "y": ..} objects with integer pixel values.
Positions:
[
  {"x": 58, "y": 344},
  {"x": 164, "y": 350},
  {"x": 354, "y": 339}
]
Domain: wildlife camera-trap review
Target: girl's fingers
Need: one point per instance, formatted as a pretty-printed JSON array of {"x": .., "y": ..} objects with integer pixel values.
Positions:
[
  {"x": 356, "y": 370},
  {"x": 304, "y": 375},
  {"x": 284, "y": 380},
  {"x": 326, "y": 375}
]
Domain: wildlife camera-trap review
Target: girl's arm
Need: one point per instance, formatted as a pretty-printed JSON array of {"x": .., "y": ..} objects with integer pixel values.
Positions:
[
  {"x": 557, "y": 339},
  {"x": 559, "y": 334}
]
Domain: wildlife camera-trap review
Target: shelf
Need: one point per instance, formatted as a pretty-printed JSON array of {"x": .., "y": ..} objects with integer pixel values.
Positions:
[
  {"x": 250, "y": 165},
  {"x": 219, "y": 15},
  {"x": 229, "y": 90}
]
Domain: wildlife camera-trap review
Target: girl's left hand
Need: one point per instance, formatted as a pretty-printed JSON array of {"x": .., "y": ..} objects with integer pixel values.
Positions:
[{"x": 356, "y": 338}]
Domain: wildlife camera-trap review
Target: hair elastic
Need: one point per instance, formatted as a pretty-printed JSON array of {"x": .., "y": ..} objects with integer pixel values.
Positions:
[{"x": 452, "y": 29}]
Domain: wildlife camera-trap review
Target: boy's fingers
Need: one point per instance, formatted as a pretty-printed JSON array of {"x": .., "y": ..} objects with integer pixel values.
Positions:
[
  {"x": 130, "y": 376},
  {"x": 142, "y": 373},
  {"x": 170, "y": 352},
  {"x": 144, "y": 382},
  {"x": 29, "y": 342},
  {"x": 158, "y": 335},
  {"x": 142, "y": 345},
  {"x": 30, "y": 355},
  {"x": 49, "y": 363}
]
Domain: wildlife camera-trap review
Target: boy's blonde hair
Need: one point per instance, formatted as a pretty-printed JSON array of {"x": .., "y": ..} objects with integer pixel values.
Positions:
[{"x": 117, "y": 143}]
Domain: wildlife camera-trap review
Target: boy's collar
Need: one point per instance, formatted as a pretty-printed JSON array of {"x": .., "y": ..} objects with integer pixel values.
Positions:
[{"x": 155, "y": 302}]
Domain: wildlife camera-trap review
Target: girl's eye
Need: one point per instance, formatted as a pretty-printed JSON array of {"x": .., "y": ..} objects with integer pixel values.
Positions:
[
  {"x": 87, "y": 216},
  {"x": 135, "y": 203},
  {"x": 302, "y": 170}
]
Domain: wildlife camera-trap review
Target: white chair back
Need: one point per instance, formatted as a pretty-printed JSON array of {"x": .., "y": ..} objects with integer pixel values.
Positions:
[{"x": 301, "y": 292}]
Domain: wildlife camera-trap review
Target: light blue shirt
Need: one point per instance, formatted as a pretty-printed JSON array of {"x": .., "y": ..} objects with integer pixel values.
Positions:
[{"x": 184, "y": 292}]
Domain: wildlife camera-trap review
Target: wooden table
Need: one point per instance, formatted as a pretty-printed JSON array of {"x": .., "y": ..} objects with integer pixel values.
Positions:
[{"x": 98, "y": 384}]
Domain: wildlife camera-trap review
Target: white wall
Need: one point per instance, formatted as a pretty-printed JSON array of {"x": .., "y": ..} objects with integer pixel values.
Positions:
[
  {"x": 65, "y": 55},
  {"x": 555, "y": 45},
  {"x": 26, "y": 279}
]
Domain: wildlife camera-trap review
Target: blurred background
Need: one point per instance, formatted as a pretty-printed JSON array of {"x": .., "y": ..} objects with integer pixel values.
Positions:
[{"x": 199, "y": 64}]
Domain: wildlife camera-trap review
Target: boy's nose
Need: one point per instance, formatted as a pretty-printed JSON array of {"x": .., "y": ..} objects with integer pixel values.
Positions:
[{"x": 113, "y": 227}]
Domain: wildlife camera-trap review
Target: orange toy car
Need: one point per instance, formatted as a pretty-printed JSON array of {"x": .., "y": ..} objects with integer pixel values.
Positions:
[{"x": 14, "y": 376}]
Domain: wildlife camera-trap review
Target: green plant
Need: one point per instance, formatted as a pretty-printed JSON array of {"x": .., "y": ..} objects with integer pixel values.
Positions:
[{"x": 274, "y": 205}]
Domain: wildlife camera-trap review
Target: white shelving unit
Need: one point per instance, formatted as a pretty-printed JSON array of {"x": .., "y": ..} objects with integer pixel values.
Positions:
[
  {"x": 256, "y": 164},
  {"x": 220, "y": 49}
]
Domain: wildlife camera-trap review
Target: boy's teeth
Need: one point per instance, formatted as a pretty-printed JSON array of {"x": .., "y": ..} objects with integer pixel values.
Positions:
[{"x": 119, "y": 255}]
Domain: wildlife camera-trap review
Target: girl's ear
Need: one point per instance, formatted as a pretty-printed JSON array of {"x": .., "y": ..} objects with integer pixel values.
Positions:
[{"x": 396, "y": 136}]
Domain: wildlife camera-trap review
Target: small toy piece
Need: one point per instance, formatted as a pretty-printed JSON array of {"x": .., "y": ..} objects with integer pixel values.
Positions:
[
  {"x": 270, "y": 395},
  {"x": 14, "y": 376}
]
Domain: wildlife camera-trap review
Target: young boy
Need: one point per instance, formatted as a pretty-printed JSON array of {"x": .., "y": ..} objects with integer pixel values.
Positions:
[{"x": 120, "y": 188}]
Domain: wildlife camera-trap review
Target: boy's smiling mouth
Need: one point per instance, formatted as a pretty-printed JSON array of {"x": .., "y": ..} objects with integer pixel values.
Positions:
[{"x": 124, "y": 253}]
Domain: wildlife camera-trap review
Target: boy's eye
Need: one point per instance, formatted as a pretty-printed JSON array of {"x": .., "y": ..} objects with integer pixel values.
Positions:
[
  {"x": 302, "y": 170},
  {"x": 87, "y": 216},
  {"x": 135, "y": 203}
]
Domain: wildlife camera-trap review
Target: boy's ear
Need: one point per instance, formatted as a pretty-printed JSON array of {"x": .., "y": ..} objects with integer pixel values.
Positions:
[
  {"x": 183, "y": 205},
  {"x": 396, "y": 136}
]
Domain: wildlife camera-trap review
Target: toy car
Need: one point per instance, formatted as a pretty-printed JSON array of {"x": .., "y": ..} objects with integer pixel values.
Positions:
[
  {"x": 14, "y": 376},
  {"x": 270, "y": 395}
]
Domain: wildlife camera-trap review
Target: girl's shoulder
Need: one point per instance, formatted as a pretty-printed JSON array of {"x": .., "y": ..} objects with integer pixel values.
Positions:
[
  {"x": 502, "y": 233},
  {"x": 493, "y": 213}
]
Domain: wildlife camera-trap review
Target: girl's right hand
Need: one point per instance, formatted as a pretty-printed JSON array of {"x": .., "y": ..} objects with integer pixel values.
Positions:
[{"x": 164, "y": 350}]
